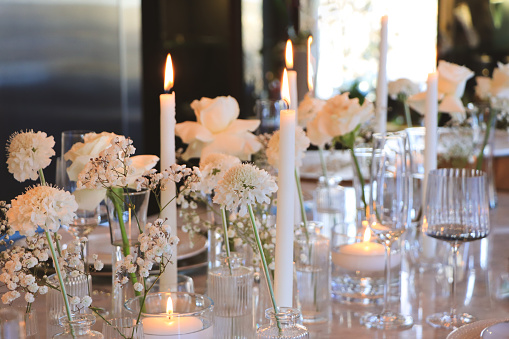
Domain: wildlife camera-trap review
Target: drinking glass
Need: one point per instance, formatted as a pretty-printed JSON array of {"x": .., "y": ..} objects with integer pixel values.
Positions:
[
  {"x": 87, "y": 217},
  {"x": 456, "y": 211},
  {"x": 389, "y": 214}
]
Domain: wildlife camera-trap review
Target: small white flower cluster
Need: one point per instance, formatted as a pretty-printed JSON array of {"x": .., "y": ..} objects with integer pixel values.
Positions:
[
  {"x": 71, "y": 259},
  {"x": 191, "y": 220},
  {"x": 45, "y": 206},
  {"x": 155, "y": 243},
  {"x": 244, "y": 185},
  {"x": 18, "y": 265},
  {"x": 5, "y": 228},
  {"x": 27, "y": 153},
  {"x": 111, "y": 168},
  {"x": 84, "y": 302},
  {"x": 175, "y": 173},
  {"x": 242, "y": 232}
]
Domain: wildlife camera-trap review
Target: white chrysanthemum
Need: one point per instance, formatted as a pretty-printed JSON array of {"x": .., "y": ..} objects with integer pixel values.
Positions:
[
  {"x": 301, "y": 145},
  {"x": 308, "y": 108},
  {"x": 242, "y": 185},
  {"x": 213, "y": 167},
  {"x": 27, "y": 153},
  {"x": 44, "y": 206}
]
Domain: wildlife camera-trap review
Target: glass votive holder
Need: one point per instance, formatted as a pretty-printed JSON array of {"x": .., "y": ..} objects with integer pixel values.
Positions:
[
  {"x": 312, "y": 262},
  {"x": 184, "y": 284},
  {"x": 358, "y": 265},
  {"x": 12, "y": 324},
  {"x": 175, "y": 315}
]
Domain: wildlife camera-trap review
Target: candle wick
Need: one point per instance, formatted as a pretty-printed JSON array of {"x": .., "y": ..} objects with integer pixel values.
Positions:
[
  {"x": 170, "y": 91},
  {"x": 287, "y": 104}
]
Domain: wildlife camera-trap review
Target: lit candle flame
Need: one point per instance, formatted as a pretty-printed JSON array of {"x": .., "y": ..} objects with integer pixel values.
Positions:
[
  {"x": 289, "y": 54},
  {"x": 310, "y": 67},
  {"x": 169, "y": 307},
  {"x": 285, "y": 88},
  {"x": 367, "y": 234},
  {"x": 168, "y": 74}
]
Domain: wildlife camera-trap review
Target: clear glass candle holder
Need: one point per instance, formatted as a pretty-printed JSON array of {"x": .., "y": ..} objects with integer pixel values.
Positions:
[
  {"x": 358, "y": 264},
  {"x": 184, "y": 284},
  {"x": 191, "y": 317}
]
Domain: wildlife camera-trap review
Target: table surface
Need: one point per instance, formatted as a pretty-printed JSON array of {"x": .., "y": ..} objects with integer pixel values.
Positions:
[{"x": 424, "y": 289}]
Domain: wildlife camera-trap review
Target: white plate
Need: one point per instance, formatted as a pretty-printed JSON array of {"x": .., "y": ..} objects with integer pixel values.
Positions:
[
  {"x": 339, "y": 165},
  {"x": 474, "y": 330},
  {"x": 497, "y": 331}
]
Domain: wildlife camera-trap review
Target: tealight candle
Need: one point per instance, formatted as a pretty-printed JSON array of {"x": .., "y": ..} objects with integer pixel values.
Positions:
[
  {"x": 363, "y": 256},
  {"x": 175, "y": 326}
]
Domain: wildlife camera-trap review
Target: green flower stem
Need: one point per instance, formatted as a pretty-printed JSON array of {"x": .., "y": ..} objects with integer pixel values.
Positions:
[
  {"x": 361, "y": 179},
  {"x": 60, "y": 279},
  {"x": 264, "y": 264},
  {"x": 301, "y": 204},
  {"x": 480, "y": 157},
  {"x": 407, "y": 114},
  {"x": 322, "y": 162},
  {"x": 226, "y": 240},
  {"x": 114, "y": 195}
]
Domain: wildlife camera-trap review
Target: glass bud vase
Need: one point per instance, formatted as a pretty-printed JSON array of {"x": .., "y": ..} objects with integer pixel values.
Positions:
[
  {"x": 80, "y": 327},
  {"x": 122, "y": 328},
  {"x": 127, "y": 217},
  {"x": 230, "y": 285},
  {"x": 232, "y": 293},
  {"x": 312, "y": 262},
  {"x": 329, "y": 199},
  {"x": 283, "y": 325}
]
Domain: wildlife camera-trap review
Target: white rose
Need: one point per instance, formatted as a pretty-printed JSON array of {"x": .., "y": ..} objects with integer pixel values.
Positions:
[
  {"x": 217, "y": 130},
  {"x": 301, "y": 145},
  {"x": 340, "y": 115},
  {"x": 452, "y": 79},
  {"x": 500, "y": 82},
  {"x": 81, "y": 152},
  {"x": 308, "y": 108}
]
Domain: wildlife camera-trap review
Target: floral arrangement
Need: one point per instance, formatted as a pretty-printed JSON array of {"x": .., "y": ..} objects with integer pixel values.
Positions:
[
  {"x": 242, "y": 186},
  {"x": 495, "y": 90},
  {"x": 401, "y": 90},
  {"x": 42, "y": 206},
  {"x": 340, "y": 120},
  {"x": 217, "y": 130},
  {"x": 452, "y": 79}
]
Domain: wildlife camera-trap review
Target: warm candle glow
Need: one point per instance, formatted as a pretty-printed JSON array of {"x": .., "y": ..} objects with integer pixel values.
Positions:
[
  {"x": 310, "y": 66},
  {"x": 285, "y": 88},
  {"x": 168, "y": 74},
  {"x": 367, "y": 234},
  {"x": 289, "y": 54},
  {"x": 169, "y": 307}
]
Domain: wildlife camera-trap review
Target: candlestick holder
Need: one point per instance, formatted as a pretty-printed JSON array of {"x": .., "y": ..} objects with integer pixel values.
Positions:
[
  {"x": 191, "y": 317},
  {"x": 358, "y": 266}
]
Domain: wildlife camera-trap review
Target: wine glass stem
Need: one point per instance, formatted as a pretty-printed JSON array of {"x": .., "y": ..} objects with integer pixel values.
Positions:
[
  {"x": 452, "y": 297},
  {"x": 387, "y": 290}
]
